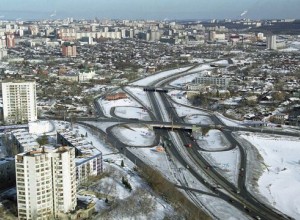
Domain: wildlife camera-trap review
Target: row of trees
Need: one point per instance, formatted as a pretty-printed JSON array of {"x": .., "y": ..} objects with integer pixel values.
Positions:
[{"x": 168, "y": 191}]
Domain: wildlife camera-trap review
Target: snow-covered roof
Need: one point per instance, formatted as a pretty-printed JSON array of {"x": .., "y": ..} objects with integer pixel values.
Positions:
[{"x": 87, "y": 150}]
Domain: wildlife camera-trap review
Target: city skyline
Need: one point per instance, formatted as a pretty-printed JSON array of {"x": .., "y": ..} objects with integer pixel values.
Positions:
[{"x": 134, "y": 9}]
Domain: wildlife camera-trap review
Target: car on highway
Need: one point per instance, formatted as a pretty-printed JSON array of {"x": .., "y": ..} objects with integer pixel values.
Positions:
[{"x": 188, "y": 145}]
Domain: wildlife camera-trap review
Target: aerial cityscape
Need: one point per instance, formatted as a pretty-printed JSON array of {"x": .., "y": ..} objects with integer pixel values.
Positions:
[{"x": 150, "y": 110}]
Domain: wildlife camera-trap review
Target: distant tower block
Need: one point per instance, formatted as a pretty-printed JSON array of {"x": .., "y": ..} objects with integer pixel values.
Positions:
[
  {"x": 271, "y": 42},
  {"x": 10, "y": 40}
]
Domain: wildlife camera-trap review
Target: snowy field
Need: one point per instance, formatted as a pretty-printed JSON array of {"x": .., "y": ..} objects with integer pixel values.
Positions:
[
  {"x": 151, "y": 79},
  {"x": 139, "y": 203},
  {"x": 198, "y": 119},
  {"x": 186, "y": 111},
  {"x": 132, "y": 112},
  {"x": 228, "y": 121},
  {"x": 157, "y": 160},
  {"x": 101, "y": 125},
  {"x": 222, "y": 209},
  {"x": 221, "y": 62},
  {"x": 107, "y": 105},
  {"x": 135, "y": 135},
  {"x": 214, "y": 140},
  {"x": 225, "y": 162},
  {"x": 280, "y": 181},
  {"x": 183, "y": 80},
  {"x": 201, "y": 68},
  {"x": 179, "y": 97},
  {"x": 140, "y": 94}
]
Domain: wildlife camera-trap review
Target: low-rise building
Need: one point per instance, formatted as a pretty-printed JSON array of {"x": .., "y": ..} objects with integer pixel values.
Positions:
[
  {"x": 88, "y": 158},
  {"x": 23, "y": 140},
  {"x": 211, "y": 80},
  {"x": 69, "y": 49},
  {"x": 116, "y": 96}
]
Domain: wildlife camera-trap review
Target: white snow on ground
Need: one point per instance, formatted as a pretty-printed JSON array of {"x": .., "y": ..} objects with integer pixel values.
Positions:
[
  {"x": 96, "y": 88},
  {"x": 132, "y": 112},
  {"x": 289, "y": 49},
  {"x": 201, "y": 68},
  {"x": 280, "y": 182},
  {"x": 113, "y": 187},
  {"x": 172, "y": 170},
  {"x": 198, "y": 119},
  {"x": 214, "y": 140},
  {"x": 232, "y": 101},
  {"x": 225, "y": 162},
  {"x": 183, "y": 80},
  {"x": 101, "y": 125},
  {"x": 221, "y": 62},
  {"x": 294, "y": 45},
  {"x": 157, "y": 160},
  {"x": 140, "y": 94},
  {"x": 222, "y": 209},
  {"x": 134, "y": 135},
  {"x": 228, "y": 121},
  {"x": 107, "y": 105},
  {"x": 198, "y": 60},
  {"x": 150, "y": 79},
  {"x": 179, "y": 97},
  {"x": 186, "y": 111}
]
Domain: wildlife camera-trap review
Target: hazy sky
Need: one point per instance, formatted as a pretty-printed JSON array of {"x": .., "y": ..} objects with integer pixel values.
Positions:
[{"x": 149, "y": 9}]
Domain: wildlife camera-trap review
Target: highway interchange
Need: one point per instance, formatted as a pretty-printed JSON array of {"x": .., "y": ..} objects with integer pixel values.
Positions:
[{"x": 163, "y": 113}]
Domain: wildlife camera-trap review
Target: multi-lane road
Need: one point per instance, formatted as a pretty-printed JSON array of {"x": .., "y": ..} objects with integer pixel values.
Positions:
[{"x": 163, "y": 112}]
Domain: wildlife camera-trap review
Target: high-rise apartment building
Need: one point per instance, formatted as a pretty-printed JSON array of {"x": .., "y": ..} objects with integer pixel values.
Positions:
[
  {"x": 69, "y": 50},
  {"x": 3, "y": 51},
  {"x": 271, "y": 42},
  {"x": 10, "y": 40},
  {"x": 46, "y": 183},
  {"x": 19, "y": 102}
]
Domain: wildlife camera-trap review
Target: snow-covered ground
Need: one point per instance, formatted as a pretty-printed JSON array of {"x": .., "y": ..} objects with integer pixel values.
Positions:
[
  {"x": 197, "y": 60},
  {"x": 132, "y": 112},
  {"x": 150, "y": 79},
  {"x": 221, "y": 62},
  {"x": 138, "y": 203},
  {"x": 228, "y": 121},
  {"x": 225, "y": 162},
  {"x": 214, "y": 140},
  {"x": 101, "y": 125},
  {"x": 186, "y": 111},
  {"x": 232, "y": 101},
  {"x": 198, "y": 119},
  {"x": 183, "y": 80},
  {"x": 107, "y": 105},
  {"x": 280, "y": 181},
  {"x": 134, "y": 135},
  {"x": 96, "y": 88},
  {"x": 179, "y": 96},
  {"x": 157, "y": 160},
  {"x": 140, "y": 94},
  {"x": 201, "y": 68},
  {"x": 222, "y": 209}
]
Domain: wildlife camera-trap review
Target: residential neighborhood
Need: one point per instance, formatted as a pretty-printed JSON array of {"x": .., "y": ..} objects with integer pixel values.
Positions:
[{"x": 149, "y": 118}]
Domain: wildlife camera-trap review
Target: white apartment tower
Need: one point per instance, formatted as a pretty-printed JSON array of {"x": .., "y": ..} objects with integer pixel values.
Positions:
[
  {"x": 271, "y": 42},
  {"x": 19, "y": 102},
  {"x": 46, "y": 183},
  {"x": 64, "y": 180}
]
